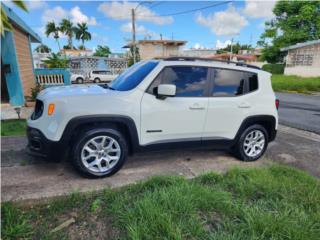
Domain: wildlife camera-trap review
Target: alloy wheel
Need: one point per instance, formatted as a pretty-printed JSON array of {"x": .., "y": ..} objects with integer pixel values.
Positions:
[{"x": 100, "y": 154}]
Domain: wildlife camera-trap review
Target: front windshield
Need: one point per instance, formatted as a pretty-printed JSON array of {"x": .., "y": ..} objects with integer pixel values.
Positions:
[{"x": 130, "y": 78}]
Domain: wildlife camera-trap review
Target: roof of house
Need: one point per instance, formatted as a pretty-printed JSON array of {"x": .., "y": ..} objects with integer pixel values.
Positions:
[
  {"x": 300, "y": 45},
  {"x": 17, "y": 21},
  {"x": 157, "y": 42}
]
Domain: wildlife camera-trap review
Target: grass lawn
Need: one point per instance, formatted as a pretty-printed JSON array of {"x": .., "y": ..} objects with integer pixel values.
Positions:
[
  {"x": 283, "y": 83},
  {"x": 277, "y": 202},
  {"x": 13, "y": 127}
]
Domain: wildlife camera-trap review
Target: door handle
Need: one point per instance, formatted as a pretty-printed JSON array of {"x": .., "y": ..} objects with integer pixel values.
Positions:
[
  {"x": 244, "y": 105},
  {"x": 196, "y": 107}
]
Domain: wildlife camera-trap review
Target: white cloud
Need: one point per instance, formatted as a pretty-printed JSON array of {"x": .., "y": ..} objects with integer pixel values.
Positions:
[
  {"x": 78, "y": 17},
  {"x": 198, "y": 46},
  {"x": 57, "y": 13},
  {"x": 140, "y": 30},
  {"x": 35, "y": 5},
  {"x": 223, "y": 23},
  {"x": 122, "y": 11},
  {"x": 221, "y": 44},
  {"x": 259, "y": 9}
]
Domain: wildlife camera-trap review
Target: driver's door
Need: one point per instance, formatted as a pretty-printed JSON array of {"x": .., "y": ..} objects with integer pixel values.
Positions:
[{"x": 178, "y": 118}]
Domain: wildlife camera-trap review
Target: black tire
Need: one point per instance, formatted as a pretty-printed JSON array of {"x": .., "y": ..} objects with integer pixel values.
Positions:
[
  {"x": 238, "y": 149},
  {"x": 79, "y": 80},
  {"x": 88, "y": 134},
  {"x": 97, "y": 80}
]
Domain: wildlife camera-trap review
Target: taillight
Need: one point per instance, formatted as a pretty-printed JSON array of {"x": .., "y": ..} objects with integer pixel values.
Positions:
[{"x": 277, "y": 103}]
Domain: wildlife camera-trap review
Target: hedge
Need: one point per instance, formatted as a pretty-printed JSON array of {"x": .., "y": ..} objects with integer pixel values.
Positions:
[{"x": 276, "y": 68}]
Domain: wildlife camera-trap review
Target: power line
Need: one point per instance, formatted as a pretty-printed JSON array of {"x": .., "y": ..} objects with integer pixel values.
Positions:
[{"x": 188, "y": 11}]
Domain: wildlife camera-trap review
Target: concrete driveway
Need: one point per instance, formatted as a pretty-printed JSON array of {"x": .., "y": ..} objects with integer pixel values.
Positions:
[
  {"x": 300, "y": 111},
  {"x": 25, "y": 178}
]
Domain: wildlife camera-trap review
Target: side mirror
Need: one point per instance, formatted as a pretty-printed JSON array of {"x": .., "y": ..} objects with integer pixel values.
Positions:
[{"x": 166, "y": 90}]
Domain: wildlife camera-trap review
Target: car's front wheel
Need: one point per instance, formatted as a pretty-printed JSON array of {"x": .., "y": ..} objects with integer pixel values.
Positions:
[
  {"x": 99, "y": 152},
  {"x": 79, "y": 80},
  {"x": 252, "y": 143}
]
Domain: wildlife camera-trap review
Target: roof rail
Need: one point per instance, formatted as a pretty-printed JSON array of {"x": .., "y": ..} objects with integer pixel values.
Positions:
[{"x": 209, "y": 60}]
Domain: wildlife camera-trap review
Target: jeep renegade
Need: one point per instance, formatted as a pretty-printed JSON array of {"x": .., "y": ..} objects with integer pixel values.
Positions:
[{"x": 156, "y": 104}]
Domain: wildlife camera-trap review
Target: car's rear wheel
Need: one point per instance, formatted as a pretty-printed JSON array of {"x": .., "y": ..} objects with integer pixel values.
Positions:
[
  {"x": 97, "y": 80},
  {"x": 252, "y": 143},
  {"x": 79, "y": 80},
  {"x": 99, "y": 152}
]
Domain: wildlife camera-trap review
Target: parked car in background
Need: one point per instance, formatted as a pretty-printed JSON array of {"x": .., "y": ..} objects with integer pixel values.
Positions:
[
  {"x": 77, "y": 78},
  {"x": 98, "y": 76}
]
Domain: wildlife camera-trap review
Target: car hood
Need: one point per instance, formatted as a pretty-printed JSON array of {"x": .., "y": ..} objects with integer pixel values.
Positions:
[{"x": 73, "y": 90}]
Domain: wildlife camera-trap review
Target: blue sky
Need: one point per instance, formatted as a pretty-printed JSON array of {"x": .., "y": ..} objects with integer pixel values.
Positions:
[{"x": 109, "y": 21}]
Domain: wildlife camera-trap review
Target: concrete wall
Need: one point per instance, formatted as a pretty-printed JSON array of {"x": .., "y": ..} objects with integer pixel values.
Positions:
[
  {"x": 303, "y": 71},
  {"x": 24, "y": 61}
]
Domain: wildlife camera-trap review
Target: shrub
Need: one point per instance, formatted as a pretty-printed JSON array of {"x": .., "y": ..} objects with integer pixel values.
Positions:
[
  {"x": 34, "y": 91},
  {"x": 277, "y": 68}
]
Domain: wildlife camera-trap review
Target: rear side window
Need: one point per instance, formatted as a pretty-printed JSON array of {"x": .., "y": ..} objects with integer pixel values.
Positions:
[
  {"x": 230, "y": 83},
  {"x": 190, "y": 81}
]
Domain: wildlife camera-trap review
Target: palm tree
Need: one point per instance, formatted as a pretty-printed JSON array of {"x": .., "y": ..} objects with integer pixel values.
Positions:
[
  {"x": 82, "y": 33},
  {"x": 55, "y": 61},
  {"x": 5, "y": 24},
  {"x": 42, "y": 48},
  {"x": 66, "y": 26},
  {"x": 52, "y": 28}
]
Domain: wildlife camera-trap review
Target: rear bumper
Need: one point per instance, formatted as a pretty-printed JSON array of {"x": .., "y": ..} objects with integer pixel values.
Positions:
[{"x": 40, "y": 146}]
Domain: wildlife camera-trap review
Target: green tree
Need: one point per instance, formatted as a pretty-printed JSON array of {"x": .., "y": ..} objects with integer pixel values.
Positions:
[
  {"x": 42, "y": 48},
  {"x": 66, "y": 26},
  {"x": 235, "y": 48},
  {"x": 53, "y": 29},
  {"x": 5, "y": 24},
  {"x": 82, "y": 33},
  {"x": 294, "y": 22},
  {"x": 102, "y": 51},
  {"x": 56, "y": 61}
]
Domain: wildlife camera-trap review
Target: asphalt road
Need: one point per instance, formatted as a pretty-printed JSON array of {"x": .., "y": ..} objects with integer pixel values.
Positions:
[{"x": 300, "y": 111}]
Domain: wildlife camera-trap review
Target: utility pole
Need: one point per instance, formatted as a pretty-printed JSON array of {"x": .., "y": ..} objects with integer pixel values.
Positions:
[
  {"x": 133, "y": 35},
  {"x": 231, "y": 49}
]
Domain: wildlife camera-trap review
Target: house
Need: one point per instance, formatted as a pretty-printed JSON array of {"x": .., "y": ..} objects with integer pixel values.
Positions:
[
  {"x": 17, "y": 70},
  {"x": 251, "y": 52},
  {"x": 303, "y": 59},
  {"x": 150, "y": 49},
  {"x": 39, "y": 58}
]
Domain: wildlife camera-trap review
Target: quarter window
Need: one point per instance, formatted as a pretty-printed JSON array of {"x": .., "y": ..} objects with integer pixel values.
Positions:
[
  {"x": 229, "y": 83},
  {"x": 190, "y": 81}
]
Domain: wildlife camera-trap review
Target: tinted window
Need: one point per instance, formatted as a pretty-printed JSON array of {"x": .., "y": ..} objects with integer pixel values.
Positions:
[
  {"x": 190, "y": 81},
  {"x": 130, "y": 78},
  {"x": 233, "y": 83}
]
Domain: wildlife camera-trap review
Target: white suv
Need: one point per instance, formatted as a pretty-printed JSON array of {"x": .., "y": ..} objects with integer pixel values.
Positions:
[{"x": 157, "y": 104}]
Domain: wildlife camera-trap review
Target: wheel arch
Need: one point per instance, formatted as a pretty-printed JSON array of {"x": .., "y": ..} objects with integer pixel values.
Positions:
[
  {"x": 267, "y": 121},
  {"x": 124, "y": 124}
]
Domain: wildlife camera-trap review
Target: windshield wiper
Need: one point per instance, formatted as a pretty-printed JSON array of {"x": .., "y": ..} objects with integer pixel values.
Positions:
[{"x": 106, "y": 86}]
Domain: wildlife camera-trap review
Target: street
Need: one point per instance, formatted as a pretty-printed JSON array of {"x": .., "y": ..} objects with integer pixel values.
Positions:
[{"x": 300, "y": 111}]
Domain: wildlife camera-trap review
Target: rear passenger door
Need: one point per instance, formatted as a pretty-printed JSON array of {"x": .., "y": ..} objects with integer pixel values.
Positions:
[{"x": 232, "y": 97}]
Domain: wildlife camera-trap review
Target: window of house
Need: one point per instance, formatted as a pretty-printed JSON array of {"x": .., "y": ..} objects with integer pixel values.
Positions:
[
  {"x": 230, "y": 83},
  {"x": 189, "y": 81}
]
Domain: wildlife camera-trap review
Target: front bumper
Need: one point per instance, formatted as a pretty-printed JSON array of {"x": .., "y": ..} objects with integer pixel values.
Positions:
[{"x": 39, "y": 145}]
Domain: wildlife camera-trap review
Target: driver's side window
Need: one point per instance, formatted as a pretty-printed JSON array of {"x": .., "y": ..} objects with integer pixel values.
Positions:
[{"x": 190, "y": 81}]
